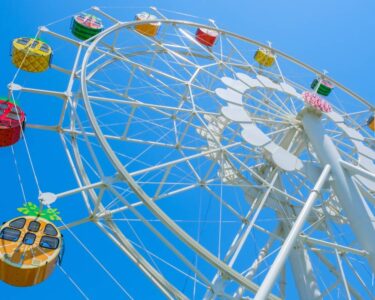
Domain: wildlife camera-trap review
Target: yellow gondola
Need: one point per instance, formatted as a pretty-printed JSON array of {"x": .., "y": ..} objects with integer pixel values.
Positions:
[
  {"x": 264, "y": 57},
  {"x": 149, "y": 29},
  {"x": 30, "y": 248},
  {"x": 31, "y": 55}
]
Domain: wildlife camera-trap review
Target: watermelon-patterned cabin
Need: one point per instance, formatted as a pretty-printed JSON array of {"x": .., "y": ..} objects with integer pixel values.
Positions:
[
  {"x": 30, "y": 248},
  {"x": 31, "y": 54},
  {"x": 264, "y": 57},
  {"x": 85, "y": 26},
  {"x": 206, "y": 37},
  {"x": 322, "y": 86},
  {"x": 12, "y": 122},
  {"x": 149, "y": 29}
]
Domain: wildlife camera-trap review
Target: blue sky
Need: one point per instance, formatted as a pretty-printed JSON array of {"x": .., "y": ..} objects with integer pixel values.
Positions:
[{"x": 330, "y": 35}]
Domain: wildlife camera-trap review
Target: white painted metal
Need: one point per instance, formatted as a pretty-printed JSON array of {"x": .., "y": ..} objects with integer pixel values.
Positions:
[
  {"x": 304, "y": 273},
  {"x": 267, "y": 109},
  {"x": 138, "y": 191},
  {"x": 289, "y": 242},
  {"x": 359, "y": 214}
]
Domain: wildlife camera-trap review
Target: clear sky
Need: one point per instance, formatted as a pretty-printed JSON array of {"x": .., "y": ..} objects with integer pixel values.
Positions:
[{"x": 337, "y": 36}]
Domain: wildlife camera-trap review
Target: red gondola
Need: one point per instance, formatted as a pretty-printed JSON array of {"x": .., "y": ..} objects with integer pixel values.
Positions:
[
  {"x": 12, "y": 122},
  {"x": 206, "y": 37}
]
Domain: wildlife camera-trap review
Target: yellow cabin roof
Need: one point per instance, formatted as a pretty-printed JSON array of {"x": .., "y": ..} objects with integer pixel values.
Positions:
[{"x": 32, "y": 46}]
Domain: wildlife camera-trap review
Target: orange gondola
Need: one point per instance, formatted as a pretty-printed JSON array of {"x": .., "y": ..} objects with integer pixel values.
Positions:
[
  {"x": 371, "y": 123},
  {"x": 30, "y": 248},
  {"x": 148, "y": 29}
]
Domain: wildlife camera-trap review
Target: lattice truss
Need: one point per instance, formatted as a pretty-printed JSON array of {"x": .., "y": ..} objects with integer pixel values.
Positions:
[{"x": 198, "y": 162}]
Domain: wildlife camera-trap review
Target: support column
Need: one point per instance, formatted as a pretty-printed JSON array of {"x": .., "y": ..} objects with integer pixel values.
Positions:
[
  {"x": 284, "y": 252},
  {"x": 303, "y": 273},
  {"x": 359, "y": 215}
]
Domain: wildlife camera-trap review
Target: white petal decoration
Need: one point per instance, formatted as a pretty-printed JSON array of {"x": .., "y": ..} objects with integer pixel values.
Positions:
[
  {"x": 229, "y": 95},
  {"x": 367, "y": 183},
  {"x": 366, "y": 163},
  {"x": 350, "y": 132},
  {"x": 234, "y": 84},
  {"x": 364, "y": 150},
  {"x": 334, "y": 116},
  {"x": 235, "y": 113},
  {"x": 290, "y": 90},
  {"x": 268, "y": 83},
  {"x": 254, "y": 136},
  {"x": 249, "y": 81},
  {"x": 283, "y": 158}
]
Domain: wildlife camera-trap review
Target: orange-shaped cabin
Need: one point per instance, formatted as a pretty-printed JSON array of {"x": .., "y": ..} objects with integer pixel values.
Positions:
[
  {"x": 12, "y": 121},
  {"x": 148, "y": 29},
  {"x": 30, "y": 248},
  {"x": 371, "y": 123}
]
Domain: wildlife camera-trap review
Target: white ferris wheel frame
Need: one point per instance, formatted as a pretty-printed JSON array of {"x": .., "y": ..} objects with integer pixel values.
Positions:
[{"x": 340, "y": 170}]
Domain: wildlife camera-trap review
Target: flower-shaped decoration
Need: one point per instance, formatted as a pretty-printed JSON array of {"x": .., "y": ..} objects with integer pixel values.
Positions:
[
  {"x": 316, "y": 102},
  {"x": 31, "y": 209}
]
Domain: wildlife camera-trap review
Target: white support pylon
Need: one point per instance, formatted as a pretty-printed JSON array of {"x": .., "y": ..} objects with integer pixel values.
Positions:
[
  {"x": 283, "y": 254},
  {"x": 357, "y": 211}
]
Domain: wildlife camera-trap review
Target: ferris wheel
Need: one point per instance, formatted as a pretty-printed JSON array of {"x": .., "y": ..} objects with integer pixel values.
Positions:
[{"x": 221, "y": 166}]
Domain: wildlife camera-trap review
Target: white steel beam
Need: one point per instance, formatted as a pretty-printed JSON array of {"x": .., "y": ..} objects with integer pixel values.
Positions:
[
  {"x": 357, "y": 170},
  {"x": 357, "y": 210},
  {"x": 138, "y": 191},
  {"x": 283, "y": 254}
]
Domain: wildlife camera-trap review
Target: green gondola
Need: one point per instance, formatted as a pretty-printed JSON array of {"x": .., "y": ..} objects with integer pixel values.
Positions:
[
  {"x": 85, "y": 26},
  {"x": 325, "y": 87}
]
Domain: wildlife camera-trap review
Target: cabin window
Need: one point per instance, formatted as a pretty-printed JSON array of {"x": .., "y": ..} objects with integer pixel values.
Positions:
[
  {"x": 29, "y": 238},
  {"x": 44, "y": 48},
  {"x": 3, "y": 106},
  {"x": 14, "y": 109},
  {"x": 13, "y": 116},
  {"x": 50, "y": 230},
  {"x": 80, "y": 18},
  {"x": 18, "y": 223},
  {"x": 34, "y": 44},
  {"x": 49, "y": 242},
  {"x": 10, "y": 234},
  {"x": 34, "y": 226},
  {"x": 23, "y": 41}
]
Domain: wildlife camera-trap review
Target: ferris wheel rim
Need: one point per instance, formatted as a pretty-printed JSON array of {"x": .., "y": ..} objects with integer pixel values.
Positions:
[
  {"x": 109, "y": 152},
  {"x": 126, "y": 25},
  {"x": 169, "y": 223}
]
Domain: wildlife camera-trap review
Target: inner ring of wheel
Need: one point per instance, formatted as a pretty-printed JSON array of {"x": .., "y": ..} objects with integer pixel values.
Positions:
[{"x": 147, "y": 201}]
